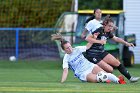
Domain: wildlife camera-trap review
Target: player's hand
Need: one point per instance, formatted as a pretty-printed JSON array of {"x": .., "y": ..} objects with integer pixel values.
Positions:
[
  {"x": 95, "y": 35},
  {"x": 130, "y": 44},
  {"x": 83, "y": 36},
  {"x": 61, "y": 82},
  {"x": 103, "y": 42}
]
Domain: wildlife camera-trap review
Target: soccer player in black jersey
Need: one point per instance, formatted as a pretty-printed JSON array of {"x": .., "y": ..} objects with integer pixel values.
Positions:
[{"x": 99, "y": 56}]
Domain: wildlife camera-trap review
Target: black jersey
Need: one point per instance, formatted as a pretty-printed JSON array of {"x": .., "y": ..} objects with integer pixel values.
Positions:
[{"x": 96, "y": 48}]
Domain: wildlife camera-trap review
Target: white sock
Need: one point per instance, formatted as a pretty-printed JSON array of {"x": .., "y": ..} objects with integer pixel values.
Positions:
[{"x": 113, "y": 78}]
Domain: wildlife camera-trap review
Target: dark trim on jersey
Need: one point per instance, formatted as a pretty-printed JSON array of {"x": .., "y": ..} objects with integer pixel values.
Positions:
[
  {"x": 101, "y": 31},
  {"x": 98, "y": 48}
]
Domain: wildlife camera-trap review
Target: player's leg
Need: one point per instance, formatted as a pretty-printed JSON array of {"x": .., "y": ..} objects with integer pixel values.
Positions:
[
  {"x": 105, "y": 66},
  {"x": 98, "y": 60},
  {"x": 92, "y": 77},
  {"x": 118, "y": 80},
  {"x": 113, "y": 78},
  {"x": 109, "y": 59},
  {"x": 114, "y": 62},
  {"x": 96, "y": 69}
]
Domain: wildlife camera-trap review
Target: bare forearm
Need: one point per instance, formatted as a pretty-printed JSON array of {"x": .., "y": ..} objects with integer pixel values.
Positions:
[
  {"x": 83, "y": 35},
  {"x": 93, "y": 40},
  {"x": 85, "y": 32},
  {"x": 88, "y": 46},
  {"x": 64, "y": 75},
  {"x": 120, "y": 40}
]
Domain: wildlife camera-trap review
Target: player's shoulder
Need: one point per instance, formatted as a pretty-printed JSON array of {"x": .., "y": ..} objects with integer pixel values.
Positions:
[
  {"x": 91, "y": 21},
  {"x": 80, "y": 48},
  {"x": 100, "y": 29},
  {"x": 77, "y": 47},
  {"x": 66, "y": 56},
  {"x": 90, "y": 18}
]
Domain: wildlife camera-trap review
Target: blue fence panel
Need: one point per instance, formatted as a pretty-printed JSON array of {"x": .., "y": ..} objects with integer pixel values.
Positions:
[{"x": 27, "y": 43}]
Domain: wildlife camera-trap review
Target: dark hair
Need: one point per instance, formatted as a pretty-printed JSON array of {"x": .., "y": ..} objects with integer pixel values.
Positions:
[
  {"x": 95, "y": 10},
  {"x": 63, "y": 43},
  {"x": 107, "y": 19},
  {"x": 90, "y": 18},
  {"x": 93, "y": 16},
  {"x": 59, "y": 37}
]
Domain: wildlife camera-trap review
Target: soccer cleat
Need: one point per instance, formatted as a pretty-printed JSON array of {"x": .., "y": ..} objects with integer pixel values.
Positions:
[
  {"x": 121, "y": 80},
  {"x": 134, "y": 79}
]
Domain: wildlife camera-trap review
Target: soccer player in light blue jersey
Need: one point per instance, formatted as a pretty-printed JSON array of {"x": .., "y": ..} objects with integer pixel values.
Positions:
[
  {"x": 93, "y": 23},
  {"x": 82, "y": 68}
]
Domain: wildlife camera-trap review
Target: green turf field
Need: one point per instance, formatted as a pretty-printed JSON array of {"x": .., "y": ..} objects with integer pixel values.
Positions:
[{"x": 44, "y": 77}]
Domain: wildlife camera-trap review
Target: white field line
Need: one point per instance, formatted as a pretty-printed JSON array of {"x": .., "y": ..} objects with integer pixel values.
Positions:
[{"x": 31, "y": 89}]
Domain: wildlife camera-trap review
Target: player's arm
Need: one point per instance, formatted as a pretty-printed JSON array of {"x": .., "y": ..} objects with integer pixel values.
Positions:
[
  {"x": 88, "y": 28},
  {"x": 88, "y": 46},
  {"x": 92, "y": 39},
  {"x": 83, "y": 35},
  {"x": 64, "y": 75},
  {"x": 120, "y": 40}
]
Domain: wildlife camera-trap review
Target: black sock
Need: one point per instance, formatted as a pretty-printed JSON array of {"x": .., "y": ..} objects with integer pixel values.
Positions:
[{"x": 123, "y": 70}]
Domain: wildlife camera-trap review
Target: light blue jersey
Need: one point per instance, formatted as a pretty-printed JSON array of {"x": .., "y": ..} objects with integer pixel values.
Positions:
[
  {"x": 93, "y": 25},
  {"x": 78, "y": 63}
]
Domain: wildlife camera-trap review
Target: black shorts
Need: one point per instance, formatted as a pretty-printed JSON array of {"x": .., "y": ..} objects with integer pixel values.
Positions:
[{"x": 96, "y": 58}]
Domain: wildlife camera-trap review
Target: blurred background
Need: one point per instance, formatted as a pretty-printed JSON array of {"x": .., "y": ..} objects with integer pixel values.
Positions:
[{"x": 26, "y": 25}]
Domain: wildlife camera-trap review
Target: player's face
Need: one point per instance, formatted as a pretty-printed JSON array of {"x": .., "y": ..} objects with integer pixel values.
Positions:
[
  {"x": 98, "y": 14},
  {"x": 68, "y": 48},
  {"x": 109, "y": 27}
]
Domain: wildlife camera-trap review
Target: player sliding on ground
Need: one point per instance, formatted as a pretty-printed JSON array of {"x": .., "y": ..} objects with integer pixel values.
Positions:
[{"x": 82, "y": 68}]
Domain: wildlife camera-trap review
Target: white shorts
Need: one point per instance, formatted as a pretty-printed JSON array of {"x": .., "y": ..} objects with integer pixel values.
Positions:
[{"x": 83, "y": 75}]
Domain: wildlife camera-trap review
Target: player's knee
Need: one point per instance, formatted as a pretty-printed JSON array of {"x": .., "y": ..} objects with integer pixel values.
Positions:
[
  {"x": 117, "y": 63},
  {"x": 110, "y": 70}
]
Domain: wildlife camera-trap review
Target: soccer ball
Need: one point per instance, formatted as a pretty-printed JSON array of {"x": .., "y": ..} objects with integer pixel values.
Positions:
[
  {"x": 102, "y": 76},
  {"x": 12, "y": 58}
]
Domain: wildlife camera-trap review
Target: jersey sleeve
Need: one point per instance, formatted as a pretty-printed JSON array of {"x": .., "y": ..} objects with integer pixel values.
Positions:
[
  {"x": 111, "y": 35},
  {"x": 65, "y": 62},
  {"x": 90, "y": 18},
  {"x": 82, "y": 48},
  {"x": 97, "y": 30},
  {"x": 89, "y": 26}
]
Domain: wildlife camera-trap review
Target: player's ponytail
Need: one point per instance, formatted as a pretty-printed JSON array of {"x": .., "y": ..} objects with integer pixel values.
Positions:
[{"x": 59, "y": 37}]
